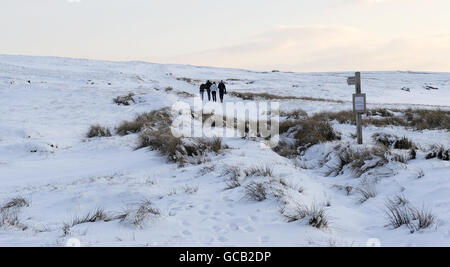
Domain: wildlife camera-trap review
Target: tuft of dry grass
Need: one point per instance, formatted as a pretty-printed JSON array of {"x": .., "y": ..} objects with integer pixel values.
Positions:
[
  {"x": 300, "y": 134},
  {"x": 179, "y": 150},
  {"x": 297, "y": 114},
  {"x": 439, "y": 152},
  {"x": 316, "y": 216},
  {"x": 98, "y": 215},
  {"x": 188, "y": 80},
  {"x": 392, "y": 141},
  {"x": 400, "y": 213},
  {"x": 266, "y": 96},
  {"x": 256, "y": 191},
  {"x": 154, "y": 119},
  {"x": 412, "y": 153},
  {"x": 367, "y": 190},
  {"x": 418, "y": 119},
  {"x": 125, "y": 100},
  {"x": 259, "y": 171},
  {"x": 17, "y": 202},
  {"x": 428, "y": 119},
  {"x": 314, "y": 131},
  {"x": 9, "y": 213},
  {"x": 91, "y": 217},
  {"x": 234, "y": 174},
  {"x": 185, "y": 94},
  {"x": 399, "y": 158},
  {"x": 191, "y": 189},
  {"x": 156, "y": 134},
  {"x": 356, "y": 159},
  {"x": 137, "y": 216},
  {"x": 98, "y": 131}
]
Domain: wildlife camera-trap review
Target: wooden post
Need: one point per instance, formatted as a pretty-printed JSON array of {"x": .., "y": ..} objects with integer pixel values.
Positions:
[{"x": 359, "y": 132}]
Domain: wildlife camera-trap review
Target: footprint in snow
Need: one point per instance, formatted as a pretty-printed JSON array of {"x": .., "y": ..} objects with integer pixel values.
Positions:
[
  {"x": 223, "y": 239},
  {"x": 234, "y": 227},
  {"x": 214, "y": 218},
  {"x": 217, "y": 228},
  {"x": 249, "y": 229},
  {"x": 187, "y": 233}
]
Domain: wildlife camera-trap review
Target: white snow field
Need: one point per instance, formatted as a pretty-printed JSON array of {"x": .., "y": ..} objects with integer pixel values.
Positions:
[{"x": 48, "y": 104}]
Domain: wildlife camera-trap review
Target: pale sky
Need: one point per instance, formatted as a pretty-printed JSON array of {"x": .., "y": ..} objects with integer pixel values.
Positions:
[{"x": 291, "y": 35}]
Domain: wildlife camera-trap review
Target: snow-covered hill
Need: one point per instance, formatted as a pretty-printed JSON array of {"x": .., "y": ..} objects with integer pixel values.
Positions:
[{"x": 48, "y": 104}]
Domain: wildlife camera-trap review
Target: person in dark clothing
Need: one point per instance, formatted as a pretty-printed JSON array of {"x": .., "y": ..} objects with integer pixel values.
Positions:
[
  {"x": 222, "y": 90},
  {"x": 202, "y": 91},
  {"x": 208, "y": 89}
]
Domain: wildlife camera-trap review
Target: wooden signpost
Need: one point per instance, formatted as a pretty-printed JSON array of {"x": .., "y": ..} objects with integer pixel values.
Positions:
[{"x": 359, "y": 104}]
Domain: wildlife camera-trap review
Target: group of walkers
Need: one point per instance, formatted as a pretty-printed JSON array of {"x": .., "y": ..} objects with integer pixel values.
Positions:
[{"x": 211, "y": 89}]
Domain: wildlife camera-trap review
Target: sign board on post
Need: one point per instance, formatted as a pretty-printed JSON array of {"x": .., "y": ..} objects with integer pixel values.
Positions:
[
  {"x": 359, "y": 103},
  {"x": 351, "y": 80}
]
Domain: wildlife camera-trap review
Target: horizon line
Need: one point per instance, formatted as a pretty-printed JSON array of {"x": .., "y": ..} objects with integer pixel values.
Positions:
[{"x": 274, "y": 70}]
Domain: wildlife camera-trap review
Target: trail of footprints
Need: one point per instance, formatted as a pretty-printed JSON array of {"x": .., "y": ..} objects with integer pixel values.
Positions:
[{"x": 218, "y": 223}]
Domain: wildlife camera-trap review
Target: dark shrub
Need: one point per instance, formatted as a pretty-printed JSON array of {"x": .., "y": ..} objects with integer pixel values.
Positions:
[
  {"x": 404, "y": 143},
  {"x": 439, "y": 152},
  {"x": 413, "y": 153}
]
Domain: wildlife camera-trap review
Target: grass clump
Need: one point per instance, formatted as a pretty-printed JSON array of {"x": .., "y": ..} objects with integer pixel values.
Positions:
[
  {"x": 234, "y": 174},
  {"x": 154, "y": 119},
  {"x": 259, "y": 171},
  {"x": 98, "y": 215},
  {"x": 98, "y": 131},
  {"x": 392, "y": 141},
  {"x": 300, "y": 134},
  {"x": 267, "y": 96},
  {"x": 439, "y": 152},
  {"x": 417, "y": 119},
  {"x": 256, "y": 191},
  {"x": 137, "y": 216},
  {"x": 400, "y": 213},
  {"x": 156, "y": 134},
  {"x": 315, "y": 215},
  {"x": 314, "y": 131},
  {"x": 10, "y": 211},
  {"x": 125, "y": 100},
  {"x": 367, "y": 191},
  {"x": 359, "y": 160}
]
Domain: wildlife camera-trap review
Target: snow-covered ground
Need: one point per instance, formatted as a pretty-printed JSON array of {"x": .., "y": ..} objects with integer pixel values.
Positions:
[{"x": 48, "y": 104}]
